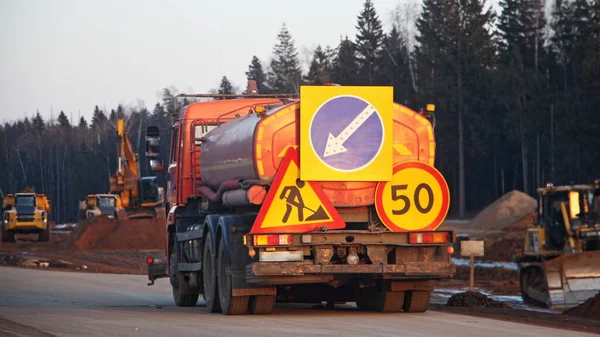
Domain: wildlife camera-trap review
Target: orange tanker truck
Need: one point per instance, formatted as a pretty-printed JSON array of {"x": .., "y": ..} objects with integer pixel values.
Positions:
[{"x": 327, "y": 197}]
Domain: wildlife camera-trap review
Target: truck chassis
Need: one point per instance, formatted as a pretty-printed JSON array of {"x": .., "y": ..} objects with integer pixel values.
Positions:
[{"x": 239, "y": 273}]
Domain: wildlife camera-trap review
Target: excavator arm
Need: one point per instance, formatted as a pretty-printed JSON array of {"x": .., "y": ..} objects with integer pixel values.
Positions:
[
  {"x": 138, "y": 195},
  {"x": 125, "y": 181}
]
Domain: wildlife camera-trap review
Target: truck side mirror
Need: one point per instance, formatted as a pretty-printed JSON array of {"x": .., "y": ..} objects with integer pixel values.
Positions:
[
  {"x": 153, "y": 149},
  {"x": 152, "y": 142}
]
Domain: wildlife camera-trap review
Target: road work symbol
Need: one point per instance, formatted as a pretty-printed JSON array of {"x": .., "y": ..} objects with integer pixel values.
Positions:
[
  {"x": 346, "y": 136},
  {"x": 293, "y": 205},
  {"x": 293, "y": 198}
]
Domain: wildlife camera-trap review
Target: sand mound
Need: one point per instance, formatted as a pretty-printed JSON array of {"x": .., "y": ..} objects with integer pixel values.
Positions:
[
  {"x": 511, "y": 208},
  {"x": 587, "y": 309},
  {"x": 474, "y": 300},
  {"x": 103, "y": 233}
]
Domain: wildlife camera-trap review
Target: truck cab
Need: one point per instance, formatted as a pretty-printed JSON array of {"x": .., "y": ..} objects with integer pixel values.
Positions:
[{"x": 103, "y": 205}]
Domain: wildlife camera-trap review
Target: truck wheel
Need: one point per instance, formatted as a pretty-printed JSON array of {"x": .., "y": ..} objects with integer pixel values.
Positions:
[
  {"x": 389, "y": 301},
  {"x": 417, "y": 301},
  {"x": 45, "y": 235},
  {"x": 7, "y": 236},
  {"x": 261, "y": 304},
  {"x": 209, "y": 277},
  {"x": 180, "y": 300},
  {"x": 230, "y": 305},
  {"x": 381, "y": 300}
]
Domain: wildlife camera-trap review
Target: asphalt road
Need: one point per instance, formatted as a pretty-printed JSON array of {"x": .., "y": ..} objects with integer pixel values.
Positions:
[{"x": 46, "y": 303}]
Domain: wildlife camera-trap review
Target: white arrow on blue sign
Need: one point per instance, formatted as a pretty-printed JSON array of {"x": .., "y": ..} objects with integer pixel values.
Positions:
[{"x": 346, "y": 133}]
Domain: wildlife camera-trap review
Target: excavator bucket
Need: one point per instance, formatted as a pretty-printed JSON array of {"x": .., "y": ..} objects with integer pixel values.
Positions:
[{"x": 573, "y": 278}]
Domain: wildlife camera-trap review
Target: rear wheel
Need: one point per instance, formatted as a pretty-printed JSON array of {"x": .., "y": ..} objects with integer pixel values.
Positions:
[
  {"x": 180, "y": 300},
  {"x": 261, "y": 304},
  {"x": 230, "y": 305},
  {"x": 209, "y": 275},
  {"x": 45, "y": 235},
  {"x": 7, "y": 236},
  {"x": 381, "y": 299},
  {"x": 417, "y": 301},
  {"x": 389, "y": 301}
]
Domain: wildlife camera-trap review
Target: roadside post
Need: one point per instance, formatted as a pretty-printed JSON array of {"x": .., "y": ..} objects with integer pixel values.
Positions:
[{"x": 471, "y": 249}]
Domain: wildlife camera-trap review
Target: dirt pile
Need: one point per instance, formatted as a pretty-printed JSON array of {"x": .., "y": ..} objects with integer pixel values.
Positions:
[
  {"x": 102, "y": 233},
  {"x": 474, "y": 300},
  {"x": 505, "y": 212},
  {"x": 502, "y": 246},
  {"x": 587, "y": 309}
]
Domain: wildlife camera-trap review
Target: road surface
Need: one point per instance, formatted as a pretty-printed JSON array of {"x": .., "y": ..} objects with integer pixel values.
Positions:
[{"x": 49, "y": 303}]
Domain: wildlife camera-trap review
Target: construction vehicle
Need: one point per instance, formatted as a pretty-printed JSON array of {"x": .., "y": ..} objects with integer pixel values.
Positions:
[
  {"x": 245, "y": 232},
  {"x": 141, "y": 197},
  {"x": 25, "y": 213},
  {"x": 559, "y": 266},
  {"x": 100, "y": 205}
]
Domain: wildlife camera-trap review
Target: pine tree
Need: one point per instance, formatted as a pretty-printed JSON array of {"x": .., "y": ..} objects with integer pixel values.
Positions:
[
  {"x": 159, "y": 111},
  {"x": 256, "y": 72},
  {"x": 395, "y": 68},
  {"x": 38, "y": 123},
  {"x": 320, "y": 68},
  {"x": 454, "y": 56},
  {"x": 83, "y": 123},
  {"x": 99, "y": 118},
  {"x": 521, "y": 75},
  {"x": 345, "y": 66},
  {"x": 225, "y": 88},
  {"x": 369, "y": 41},
  {"x": 285, "y": 74},
  {"x": 63, "y": 121},
  {"x": 113, "y": 116}
]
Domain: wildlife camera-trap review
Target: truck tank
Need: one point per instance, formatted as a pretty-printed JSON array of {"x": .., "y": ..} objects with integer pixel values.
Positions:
[{"x": 253, "y": 146}]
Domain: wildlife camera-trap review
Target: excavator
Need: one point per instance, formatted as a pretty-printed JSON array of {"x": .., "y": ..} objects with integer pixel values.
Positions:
[
  {"x": 141, "y": 197},
  {"x": 559, "y": 266}
]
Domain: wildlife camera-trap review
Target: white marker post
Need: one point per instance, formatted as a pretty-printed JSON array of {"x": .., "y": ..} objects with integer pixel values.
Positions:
[
  {"x": 471, "y": 249},
  {"x": 335, "y": 145}
]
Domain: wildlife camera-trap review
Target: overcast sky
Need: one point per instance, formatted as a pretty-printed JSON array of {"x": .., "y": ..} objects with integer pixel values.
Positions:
[{"x": 73, "y": 54}]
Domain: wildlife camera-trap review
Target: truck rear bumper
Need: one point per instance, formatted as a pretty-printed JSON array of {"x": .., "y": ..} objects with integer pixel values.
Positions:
[
  {"x": 327, "y": 257},
  {"x": 406, "y": 270}
]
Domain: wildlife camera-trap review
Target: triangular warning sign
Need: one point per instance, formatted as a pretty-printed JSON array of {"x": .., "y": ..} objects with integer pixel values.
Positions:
[{"x": 295, "y": 206}]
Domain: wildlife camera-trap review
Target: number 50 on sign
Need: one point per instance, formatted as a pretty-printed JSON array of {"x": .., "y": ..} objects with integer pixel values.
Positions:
[{"x": 417, "y": 198}]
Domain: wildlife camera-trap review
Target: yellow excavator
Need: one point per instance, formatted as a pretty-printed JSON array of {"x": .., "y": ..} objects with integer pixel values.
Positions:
[
  {"x": 141, "y": 197},
  {"x": 559, "y": 266}
]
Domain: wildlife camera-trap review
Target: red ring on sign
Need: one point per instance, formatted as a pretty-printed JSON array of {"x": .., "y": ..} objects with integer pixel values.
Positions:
[{"x": 438, "y": 177}]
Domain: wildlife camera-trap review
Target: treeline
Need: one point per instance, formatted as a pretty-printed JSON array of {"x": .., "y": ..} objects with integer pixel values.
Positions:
[
  {"x": 517, "y": 96},
  {"x": 67, "y": 160},
  {"x": 517, "y": 93}
]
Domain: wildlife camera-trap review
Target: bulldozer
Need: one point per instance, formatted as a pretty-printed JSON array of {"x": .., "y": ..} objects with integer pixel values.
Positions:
[
  {"x": 559, "y": 266},
  {"x": 141, "y": 197}
]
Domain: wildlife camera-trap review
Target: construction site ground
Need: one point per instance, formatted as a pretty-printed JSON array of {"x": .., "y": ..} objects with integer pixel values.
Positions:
[{"x": 121, "y": 247}]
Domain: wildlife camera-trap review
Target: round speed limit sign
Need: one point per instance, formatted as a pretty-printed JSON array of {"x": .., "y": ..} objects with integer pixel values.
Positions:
[{"x": 417, "y": 198}]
